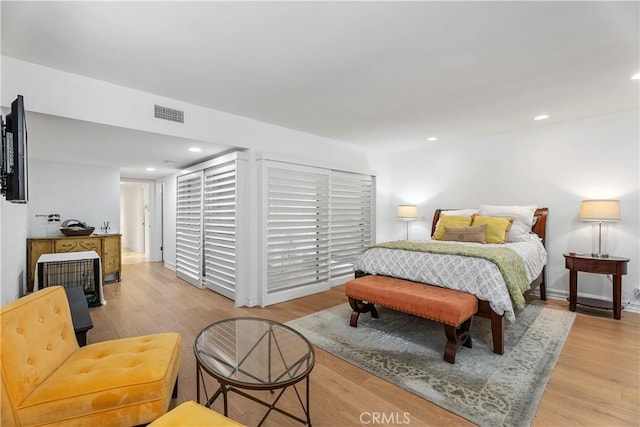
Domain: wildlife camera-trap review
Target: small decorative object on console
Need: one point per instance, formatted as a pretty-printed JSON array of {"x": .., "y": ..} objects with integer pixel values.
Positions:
[{"x": 73, "y": 227}]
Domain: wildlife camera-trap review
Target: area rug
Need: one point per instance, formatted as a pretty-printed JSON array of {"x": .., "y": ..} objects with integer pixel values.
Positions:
[{"x": 483, "y": 387}]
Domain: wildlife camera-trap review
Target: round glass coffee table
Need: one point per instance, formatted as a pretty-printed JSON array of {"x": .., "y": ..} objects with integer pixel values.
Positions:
[{"x": 253, "y": 354}]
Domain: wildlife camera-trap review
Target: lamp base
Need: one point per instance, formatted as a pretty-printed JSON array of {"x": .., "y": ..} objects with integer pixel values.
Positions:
[{"x": 600, "y": 255}]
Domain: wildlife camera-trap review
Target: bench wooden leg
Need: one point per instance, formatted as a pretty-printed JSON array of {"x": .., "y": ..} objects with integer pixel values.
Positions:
[
  {"x": 360, "y": 307},
  {"x": 455, "y": 338}
]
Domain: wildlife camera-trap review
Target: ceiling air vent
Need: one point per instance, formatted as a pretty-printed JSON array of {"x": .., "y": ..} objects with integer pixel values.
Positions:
[{"x": 166, "y": 113}]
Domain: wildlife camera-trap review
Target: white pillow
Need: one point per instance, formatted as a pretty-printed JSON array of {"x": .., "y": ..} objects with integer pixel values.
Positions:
[
  {"x": 460, "y": 212},
  {"x": 522, "y": 219}
]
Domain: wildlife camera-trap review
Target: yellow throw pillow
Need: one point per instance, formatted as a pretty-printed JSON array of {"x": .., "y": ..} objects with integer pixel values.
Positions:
[
  {"x": 497, "y": 227},
  {"x": 466, "y": 234},
  {"x": 450, "y": 221}
]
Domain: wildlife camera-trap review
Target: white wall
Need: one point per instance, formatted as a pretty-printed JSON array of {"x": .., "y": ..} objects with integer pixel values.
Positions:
[
  {"x": 84, "y": 192},
  {"x": 156, "y": 190},
  {"x": 132, "y": 217},
  {"x": 169, "y": 221},
  {"x": 555, "y": 166},
  {"x": 13, "y": 250},
  {"x": 145, "y": 225}
]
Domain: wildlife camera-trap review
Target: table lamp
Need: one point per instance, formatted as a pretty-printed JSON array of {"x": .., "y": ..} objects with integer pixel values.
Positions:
[
  {"x": 600, "y": 211},
  {"x": 407, "y": 213}
]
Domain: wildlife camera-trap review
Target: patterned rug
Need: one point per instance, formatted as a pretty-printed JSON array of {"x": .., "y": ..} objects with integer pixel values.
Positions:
[{"x": 483, "y": 387}]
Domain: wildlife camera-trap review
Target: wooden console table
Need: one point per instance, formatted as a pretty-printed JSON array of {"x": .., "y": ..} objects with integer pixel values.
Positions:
[
  {"x": 107, "y": 246},
  {"x": 615, "y": 266}
]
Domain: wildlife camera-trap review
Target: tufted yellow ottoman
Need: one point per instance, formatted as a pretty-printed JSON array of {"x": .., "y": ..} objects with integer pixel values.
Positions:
[
  {"x": 48, "y": 380},
  {"x": 193, "y": 415}
]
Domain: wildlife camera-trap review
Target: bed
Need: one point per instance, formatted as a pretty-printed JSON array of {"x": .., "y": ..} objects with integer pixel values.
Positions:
[{"x": 480, "y": 277}]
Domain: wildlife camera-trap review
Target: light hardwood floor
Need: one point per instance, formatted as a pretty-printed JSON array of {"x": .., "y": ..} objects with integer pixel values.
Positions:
[
  {"x": 132, "y": 257},
  {"x": 595, "y": 383}
]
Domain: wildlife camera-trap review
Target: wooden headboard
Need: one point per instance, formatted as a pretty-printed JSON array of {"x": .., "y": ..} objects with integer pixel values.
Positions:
[{"x": 540, "y": 226}]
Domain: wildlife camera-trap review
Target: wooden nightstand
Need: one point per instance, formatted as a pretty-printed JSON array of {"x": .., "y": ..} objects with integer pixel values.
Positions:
[{"x": 615, "y": 266}]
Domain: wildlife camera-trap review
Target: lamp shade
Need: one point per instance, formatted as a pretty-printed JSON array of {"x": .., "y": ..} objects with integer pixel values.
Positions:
[
  {"x": 600, "y": 210},
  {"x": 407, "y": 212}
]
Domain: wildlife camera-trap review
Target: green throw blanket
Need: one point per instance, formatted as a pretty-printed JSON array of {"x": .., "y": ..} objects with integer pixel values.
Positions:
[{"x": 507, "y": 260}]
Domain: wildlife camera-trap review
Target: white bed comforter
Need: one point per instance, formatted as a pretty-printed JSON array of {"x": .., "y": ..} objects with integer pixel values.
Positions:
[{"x": 476, "y": 276}]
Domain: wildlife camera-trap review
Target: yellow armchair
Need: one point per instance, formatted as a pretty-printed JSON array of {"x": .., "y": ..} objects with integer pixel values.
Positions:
[
  {"x": 47, "y": 379},
  {"x": 192, "y": 414}
]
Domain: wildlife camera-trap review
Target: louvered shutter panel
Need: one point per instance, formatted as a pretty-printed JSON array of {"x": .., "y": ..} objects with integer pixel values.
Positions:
[
  {"x": 189, "y": 228},
  {"x": 297, "y": 227},
  {"x": 352, "y": 201},
  {"x": 220, "y": 228}
]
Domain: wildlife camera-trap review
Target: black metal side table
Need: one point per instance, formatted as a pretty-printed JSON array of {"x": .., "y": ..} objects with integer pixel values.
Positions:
[{"x": 254, "y": 354}]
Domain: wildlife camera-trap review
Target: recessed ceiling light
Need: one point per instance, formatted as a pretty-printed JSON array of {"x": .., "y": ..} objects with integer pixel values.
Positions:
[
  {"x": 195, "y": 149},
  {"x": 432, "y": 138},
  {"x": 541, "y": 117},
  {"x": 150, "y": 169},
  {"x": 636, "y": 76}
]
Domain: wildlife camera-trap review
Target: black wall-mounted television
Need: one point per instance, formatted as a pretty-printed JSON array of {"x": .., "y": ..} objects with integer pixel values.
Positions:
[{"x": 13, "y": 168}]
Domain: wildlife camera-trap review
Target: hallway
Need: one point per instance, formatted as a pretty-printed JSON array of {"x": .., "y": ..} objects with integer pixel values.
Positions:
[{"x": 132, "y": 257}]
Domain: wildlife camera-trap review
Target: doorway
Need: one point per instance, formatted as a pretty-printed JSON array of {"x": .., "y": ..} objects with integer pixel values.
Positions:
[{"x": 134, "y": 221}]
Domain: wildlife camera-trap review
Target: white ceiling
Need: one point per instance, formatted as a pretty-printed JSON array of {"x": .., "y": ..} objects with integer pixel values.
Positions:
[{"x": 378, "y": 74}]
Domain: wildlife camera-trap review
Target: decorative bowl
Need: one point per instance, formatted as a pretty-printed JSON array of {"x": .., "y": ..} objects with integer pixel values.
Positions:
[{"x": 76, "y": 231}]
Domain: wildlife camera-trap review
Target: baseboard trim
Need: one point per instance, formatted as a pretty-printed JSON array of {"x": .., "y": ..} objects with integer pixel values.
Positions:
[{"x": 632, "y": 307}]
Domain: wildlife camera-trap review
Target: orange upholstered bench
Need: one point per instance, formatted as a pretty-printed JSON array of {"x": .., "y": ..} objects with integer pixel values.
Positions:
[{"x": 454, "y": 309}]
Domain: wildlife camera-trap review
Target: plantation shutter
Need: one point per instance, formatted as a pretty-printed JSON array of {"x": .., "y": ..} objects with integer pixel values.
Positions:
[
  {"x": 297, "y": 227},
  {"x": 352, "y": 201},
  {"x": 189, "y": 228},
  {"x": 220, "y": 228}
]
